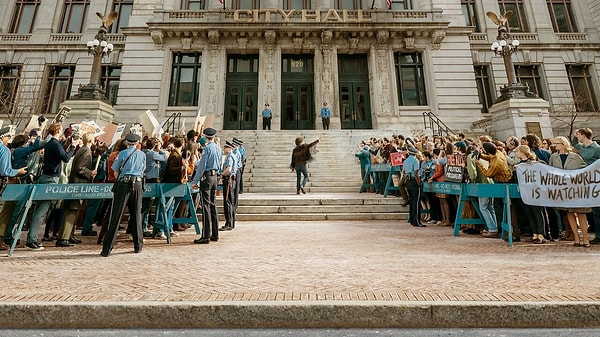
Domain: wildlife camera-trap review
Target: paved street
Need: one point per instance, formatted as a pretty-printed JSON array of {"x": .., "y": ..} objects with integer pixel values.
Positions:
[{"x": 323, "y": 263}]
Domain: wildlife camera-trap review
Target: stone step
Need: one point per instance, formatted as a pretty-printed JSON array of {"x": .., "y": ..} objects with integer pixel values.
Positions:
[
  {"x": 320, "y": 216},
  {"x": 356, "y": 209}
]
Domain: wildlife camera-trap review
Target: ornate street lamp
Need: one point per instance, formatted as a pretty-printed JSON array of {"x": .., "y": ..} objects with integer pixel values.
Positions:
[
  {"x": 505, "y": 46},
  {"x": 98, "y": 48}
]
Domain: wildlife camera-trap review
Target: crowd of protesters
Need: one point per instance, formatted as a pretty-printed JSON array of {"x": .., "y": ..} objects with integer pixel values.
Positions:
[
  {"x": 64, "y": 156},
  {"x": 488, "y": 161}
]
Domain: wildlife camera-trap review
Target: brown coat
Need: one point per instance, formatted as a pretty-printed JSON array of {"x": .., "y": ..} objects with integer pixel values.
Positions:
[
  {"x": 81, "y": 168},
  {"x": 301, "y": 154}
]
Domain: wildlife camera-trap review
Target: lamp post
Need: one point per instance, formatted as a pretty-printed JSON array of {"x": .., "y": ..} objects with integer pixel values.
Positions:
[
  {"x": 505, "y": 46},
  {"x": 98, "y": 48}
]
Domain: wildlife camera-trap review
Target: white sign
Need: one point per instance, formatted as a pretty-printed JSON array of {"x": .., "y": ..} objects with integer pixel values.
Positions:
[
  {"x": 151, "y": 124},
  {"x": 543, "y": 185}
]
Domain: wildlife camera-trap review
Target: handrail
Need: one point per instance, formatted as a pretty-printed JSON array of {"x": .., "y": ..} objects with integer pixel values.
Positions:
[
  {"x": 169, "y": 125},
  {"x": 437, "y": 126}
]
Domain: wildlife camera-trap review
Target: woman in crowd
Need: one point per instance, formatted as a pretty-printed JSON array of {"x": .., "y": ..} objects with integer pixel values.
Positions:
[
  {"x": 533, "y": 213},
  {"x": 535, "y": 144},
  {"x": 438, "y": 175},
  {"x": 566, "y": 159}
]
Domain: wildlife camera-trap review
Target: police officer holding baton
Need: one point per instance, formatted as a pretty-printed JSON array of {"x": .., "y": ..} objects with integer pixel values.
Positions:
[
  {"x": 129, "y": 171},
  {"x": 206, "y": 178}
]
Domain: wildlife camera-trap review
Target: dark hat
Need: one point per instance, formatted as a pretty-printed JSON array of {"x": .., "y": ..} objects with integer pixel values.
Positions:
[
  {"x": 210, "y": 132},
  {"x": 266, "y": 104},
  {"x": 461, "y": 144},
  {"x": 237, "y": 141},
  {"x": 409, "y": 141},
  {"x": 5, "y": 131},
  {"x": 228, "y": 144},
  {"x": 324, "y": 103},
  {"x": 412, "y": 150},
  {"x": 132, "y": 138},
  {"x": 203, "y": 141},
  {"x": 489, "y": 147}
]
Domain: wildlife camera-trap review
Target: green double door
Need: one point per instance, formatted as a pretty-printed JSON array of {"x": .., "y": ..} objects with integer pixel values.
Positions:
[
  {"x": 297, "y": 103},
  {"x": 241, "y": 98},
  {"x": 355, "y": 105}
]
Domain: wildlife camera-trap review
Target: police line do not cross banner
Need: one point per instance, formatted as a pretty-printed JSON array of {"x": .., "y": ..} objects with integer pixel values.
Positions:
[{"x": 543, "y": 185}]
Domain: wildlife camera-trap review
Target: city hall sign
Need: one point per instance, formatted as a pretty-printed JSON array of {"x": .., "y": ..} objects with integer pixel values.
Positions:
[{"x": 275, "y": 15}]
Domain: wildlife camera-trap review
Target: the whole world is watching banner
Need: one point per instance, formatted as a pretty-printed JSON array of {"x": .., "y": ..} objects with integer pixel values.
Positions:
[{"x": 543, "y": 185}]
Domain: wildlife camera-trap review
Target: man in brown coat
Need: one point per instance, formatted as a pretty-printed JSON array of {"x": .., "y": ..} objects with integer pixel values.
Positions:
[{"x": 300, "y": 156}]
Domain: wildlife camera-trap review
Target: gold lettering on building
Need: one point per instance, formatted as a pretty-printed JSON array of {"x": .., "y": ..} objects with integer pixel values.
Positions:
[{"x": 276, "y": 15}]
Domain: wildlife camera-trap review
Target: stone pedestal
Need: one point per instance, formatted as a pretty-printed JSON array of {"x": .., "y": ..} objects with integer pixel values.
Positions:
[
  {"x": 520, "y": 116},
  {"x": 94, "y": 110}
]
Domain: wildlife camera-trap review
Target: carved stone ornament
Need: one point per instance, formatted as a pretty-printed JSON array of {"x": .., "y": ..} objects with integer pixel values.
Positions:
[
  {"x": 437, "y": 37},
  {"x": 326, "y": 37},
  {"x": 383, "y": 37},
  {"x": 354, "y": 42},
  {"x": 409, "y": 42},
  {"x": 242, "y": 42},
  {"x": 298, "y": 42},
  {"x": 158, "y": 38},
  {"x": 186, "y": 43},
  {"x": 270, "y": 36},
  {"x": 10, "y": 54},
  {"x": 213, "y": 37}
]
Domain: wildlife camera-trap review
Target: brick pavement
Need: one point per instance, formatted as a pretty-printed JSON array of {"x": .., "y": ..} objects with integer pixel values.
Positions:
[{"x": 308, "y": 261}]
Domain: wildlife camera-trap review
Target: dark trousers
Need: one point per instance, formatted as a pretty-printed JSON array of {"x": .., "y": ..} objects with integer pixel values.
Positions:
[
  {"x": 326, "y": 123},
  {"x": 130, "y": 195},
  {"x": 301, "y": 170},
  {"x": 414, "y": 197},
  {"x": 239, "y": 179},
  {"x": 229, "y": 207},
  {"x": 147, "y": 204},
  {"x": 210, "y": 217},
  {"x": 266, "y": 123}
]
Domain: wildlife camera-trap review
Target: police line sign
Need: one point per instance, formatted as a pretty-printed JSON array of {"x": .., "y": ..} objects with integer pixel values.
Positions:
[{"x": 543, "y": 185}]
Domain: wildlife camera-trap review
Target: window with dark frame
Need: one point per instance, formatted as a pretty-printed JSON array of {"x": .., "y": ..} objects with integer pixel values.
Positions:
[
  {"x": 530, "y": 76},
  {"x": 110, "y": 80},
  {"x": 124, "y": 8},
  {"x": 194, "y": 5},
  {"x": 411, "y": 80},
  {"x": 245, "y": 4},
  {"x": 517, "y": 22},
  {"x": 561, "y": 14},
  {"x": 9, "y": 84},
  {"x": 185, "y": 78},
  {"x": 399, "y": 5},
  {"x": 296, "y": 4},
  {"x": 74, "y": 16},
  {"x": 346, "y": 4},
  {"x": 487, "y": 96},
  {"x": 580, "y": 80},
  {"x": 58, "y": 87},
  {"x": 468, "y": 10},
  {"x": 24, "y": 16}
]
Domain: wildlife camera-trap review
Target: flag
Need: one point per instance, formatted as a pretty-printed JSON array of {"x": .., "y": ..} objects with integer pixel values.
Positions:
[{"x": 389, "y": 4}]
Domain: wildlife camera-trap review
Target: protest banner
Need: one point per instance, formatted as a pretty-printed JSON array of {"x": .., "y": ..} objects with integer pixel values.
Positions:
[
  {"x": 110, "y": 133},
  {"x": 543, "y": 185},
  {"x": 90, "y": 127}
]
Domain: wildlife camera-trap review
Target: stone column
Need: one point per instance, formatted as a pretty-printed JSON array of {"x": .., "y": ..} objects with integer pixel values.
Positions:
[
  {"x": 213, "y": 85},
  {"x": 269, "y": 85},
  {"x": 520, "y": 116},
  {"x": 325, "y": 77},
  {"x": 381, "y": 102}
]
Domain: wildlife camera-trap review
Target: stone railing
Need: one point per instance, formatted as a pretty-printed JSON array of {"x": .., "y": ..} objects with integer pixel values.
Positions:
[
  {"x": 478, "y": 37},
  {"x": 67, "y": 37},
  {"x": 296, "y": 16},
  {"x": 116, "y": 38},
  {"x": 15, "y": 37},
  {"x": 572, "y": 36},
  {"x": 524, "y": 36}
]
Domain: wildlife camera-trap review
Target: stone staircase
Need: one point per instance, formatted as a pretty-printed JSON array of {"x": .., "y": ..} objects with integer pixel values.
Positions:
[{"x": 334, "y": 178}]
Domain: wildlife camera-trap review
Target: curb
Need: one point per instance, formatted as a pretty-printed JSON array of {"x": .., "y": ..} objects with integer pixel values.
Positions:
[{"x": 322, "y": 314}]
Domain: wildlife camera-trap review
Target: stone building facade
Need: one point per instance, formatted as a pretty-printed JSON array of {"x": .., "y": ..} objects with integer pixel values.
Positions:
[{"x": 377, "y": 68}]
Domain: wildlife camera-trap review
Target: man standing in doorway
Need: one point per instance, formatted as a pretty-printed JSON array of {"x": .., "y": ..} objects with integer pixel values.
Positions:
[
  {"x": 325, "y": 116},
  {"x": 267, "y": 115}
]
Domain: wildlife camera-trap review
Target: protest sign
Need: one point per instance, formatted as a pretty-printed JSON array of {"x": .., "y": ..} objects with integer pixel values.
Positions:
[
  {"x": 543, "y": 185},
  {"x": 90, "y": 127},
  {"x": 455, "y": 168},
  {"x": 110, "y": 134},
  {"x": 151, "y": 124},
  {"x": 34, "y": 123}
]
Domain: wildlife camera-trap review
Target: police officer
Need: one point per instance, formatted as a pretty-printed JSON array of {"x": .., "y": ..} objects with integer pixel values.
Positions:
[
  {"x": 411, "y": 167},
  {"x": 241, "y": 153},
  {"x": 229, "y": 187},
  {"x": 325, "y": 116},
  {"x": 206, "y": 177},
  {"x": 267, "y": 115},
  {"x": 129, "y": 171}
]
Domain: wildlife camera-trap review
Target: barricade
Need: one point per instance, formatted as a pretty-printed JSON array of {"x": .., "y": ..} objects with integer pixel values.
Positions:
[
  {"x": 389, "y": 185},
  {"x": 470, "y": 192},
  {"x": 167, "y": 195}
]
